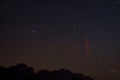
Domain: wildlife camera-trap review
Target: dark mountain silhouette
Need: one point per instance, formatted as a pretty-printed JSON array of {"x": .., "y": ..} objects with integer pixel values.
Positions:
[{"x": 23, "y": 72}]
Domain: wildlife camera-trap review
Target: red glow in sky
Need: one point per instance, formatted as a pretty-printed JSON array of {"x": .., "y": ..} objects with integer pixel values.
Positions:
[
  {"x": 87, "y": 49},
  {"x": 87, "y": 46}
]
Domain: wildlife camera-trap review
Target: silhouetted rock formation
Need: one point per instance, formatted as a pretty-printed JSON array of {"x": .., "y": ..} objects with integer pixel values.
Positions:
[{"x": 23, "y": 72}]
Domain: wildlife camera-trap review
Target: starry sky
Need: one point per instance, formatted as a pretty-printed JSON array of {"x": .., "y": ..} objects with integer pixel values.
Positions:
[{"x": 79, "y": 35}]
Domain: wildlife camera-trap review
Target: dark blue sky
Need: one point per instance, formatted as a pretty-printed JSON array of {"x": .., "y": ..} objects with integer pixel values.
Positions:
[{"x": 80, "y": 35}]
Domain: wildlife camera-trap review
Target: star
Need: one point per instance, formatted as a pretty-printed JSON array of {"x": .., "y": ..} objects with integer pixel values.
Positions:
[
  {"x": 6, "y": 7},
  {"x": 42, "y": 9},
  {"x": 95, "y": 20},
  {"x": 79, "y": 24},
  {"x": 118, "y": 2},
  {"x": 95, "y": 2},
  {"x": 20, "y": 30},
  {"x": 33, "y": 31}
]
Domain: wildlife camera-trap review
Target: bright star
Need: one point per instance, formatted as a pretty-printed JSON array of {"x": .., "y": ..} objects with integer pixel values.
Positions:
[{"x": 33, "y": 31}]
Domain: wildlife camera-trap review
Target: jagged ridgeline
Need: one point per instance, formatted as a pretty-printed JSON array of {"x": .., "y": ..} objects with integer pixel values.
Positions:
[{"x": 23, "y": 72}]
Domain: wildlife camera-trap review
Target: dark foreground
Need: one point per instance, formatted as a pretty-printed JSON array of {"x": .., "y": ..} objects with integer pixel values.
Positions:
[{"x": 23, "y": 72}]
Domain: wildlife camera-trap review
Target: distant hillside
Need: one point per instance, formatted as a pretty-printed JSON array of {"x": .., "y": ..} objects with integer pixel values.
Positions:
[{"x": 23, "y": 72}]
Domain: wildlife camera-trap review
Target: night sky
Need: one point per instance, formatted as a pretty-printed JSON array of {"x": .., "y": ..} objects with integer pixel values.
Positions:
[{"x": 79, "y": 35}]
